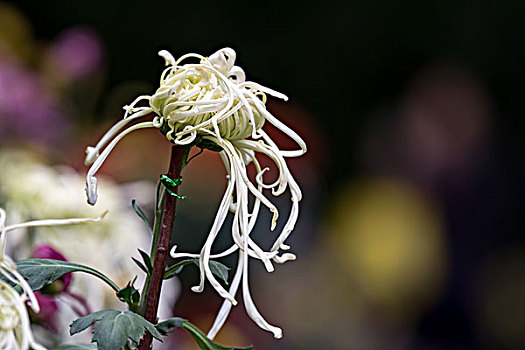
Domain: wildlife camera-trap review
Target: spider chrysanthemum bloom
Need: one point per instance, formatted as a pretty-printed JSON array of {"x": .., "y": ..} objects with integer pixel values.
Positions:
[{"x": 210, "y": 104}]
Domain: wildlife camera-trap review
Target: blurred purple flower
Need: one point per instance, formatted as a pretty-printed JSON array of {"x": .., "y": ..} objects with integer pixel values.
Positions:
[
  {"x": 77, "y": 53},
  {"x": 27, "y": 109},
  {"x": 48, "y": 302}
]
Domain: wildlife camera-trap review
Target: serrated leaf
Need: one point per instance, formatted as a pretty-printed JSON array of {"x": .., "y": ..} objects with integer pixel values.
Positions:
[
  {"x": 175, "y": 269},
  {"x": 218, "y": 269},
  {"x": 114, "y": 328},
  {"x": 77, "y": 347},
  {"x": 147, "y": 260},
  {"x": 82, "y": 323},
  {"x": 166, "y": 327},
  {"x": 42, "y": 272},
  {"x": 141, "y": 214},
  {"x": 140, "y": 265}
]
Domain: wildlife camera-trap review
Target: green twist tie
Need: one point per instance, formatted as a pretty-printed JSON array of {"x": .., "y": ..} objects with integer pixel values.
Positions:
[{"x": 170, "y": 183}]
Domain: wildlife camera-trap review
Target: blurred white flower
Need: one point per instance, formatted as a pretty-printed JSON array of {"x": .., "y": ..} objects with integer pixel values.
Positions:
[
  {"x": 210, "y": 104},
  {"x": 15, "y": 328},
  {"x": 30, "y": 189}
]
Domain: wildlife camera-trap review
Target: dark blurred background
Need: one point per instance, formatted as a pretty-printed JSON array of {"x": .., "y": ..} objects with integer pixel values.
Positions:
[{"x": 411, "y": 233}]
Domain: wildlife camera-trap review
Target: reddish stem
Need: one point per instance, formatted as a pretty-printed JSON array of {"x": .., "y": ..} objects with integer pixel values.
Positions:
[{"x": 163, "y": 245}]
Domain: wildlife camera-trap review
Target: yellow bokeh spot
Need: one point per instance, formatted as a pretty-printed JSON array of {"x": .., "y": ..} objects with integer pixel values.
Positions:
[
  {"x": 15, "y": 32},
  {"x": 389, "y": 238}
]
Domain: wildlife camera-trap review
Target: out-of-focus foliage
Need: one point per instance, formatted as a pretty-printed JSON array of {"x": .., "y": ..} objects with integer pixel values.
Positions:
[{"x": 56, "y": 192}]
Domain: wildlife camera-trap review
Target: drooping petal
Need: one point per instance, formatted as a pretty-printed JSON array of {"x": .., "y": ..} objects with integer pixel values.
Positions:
[{"x": 91, "y": 180}]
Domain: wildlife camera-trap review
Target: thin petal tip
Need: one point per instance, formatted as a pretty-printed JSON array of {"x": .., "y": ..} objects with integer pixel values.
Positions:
[
  {"x": 278, "y": 333},
  {"x": 103, "y": 215},
  {"x": 91, "y": 155},
  {"x": 168, "y": 57},
  {"x": 91, "y": 190},
  {"x": 197, "y": 289}
]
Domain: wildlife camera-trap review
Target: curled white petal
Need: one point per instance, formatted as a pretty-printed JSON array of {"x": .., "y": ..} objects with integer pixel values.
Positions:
[
  {"x": 186, "y": 141},
  {"x": 251, "y": 309},
  {"x": 91, "y": 181},
  {"x": 225, "y": 309},
  {"x": 92, "y": 153},
  {"x": 237, "y": 75},
  {"x": 168, "y": 57},
  {"x": 223, "y": 59}
]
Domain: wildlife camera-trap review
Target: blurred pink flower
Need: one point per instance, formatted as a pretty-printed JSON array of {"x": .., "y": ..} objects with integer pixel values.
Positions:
[
  {"x": 27, "y": 108},
  {"x": 77, "y": 52},
  {"x": 48, "y": 300},
  {"x": 48, "y": 311}
]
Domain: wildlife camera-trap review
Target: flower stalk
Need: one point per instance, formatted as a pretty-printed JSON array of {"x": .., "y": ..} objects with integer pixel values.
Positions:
[{"x": 161, "y": 246}]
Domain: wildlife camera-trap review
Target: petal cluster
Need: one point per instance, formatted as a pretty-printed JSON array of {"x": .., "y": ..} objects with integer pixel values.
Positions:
[{"x": 210, "y": 102}]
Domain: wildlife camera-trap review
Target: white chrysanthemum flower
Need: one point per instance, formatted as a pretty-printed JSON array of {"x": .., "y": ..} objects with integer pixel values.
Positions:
[
  {"x": 210, "y": 104},
  {"x": 15, "y": 328}
]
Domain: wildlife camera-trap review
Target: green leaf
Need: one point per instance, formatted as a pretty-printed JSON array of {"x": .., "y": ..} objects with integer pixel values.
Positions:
[
  {"x": 42, "y": 272},
  {"x": 77, "y": 347},
  {"x": 212, "y": 146},
  {"x": 141, "y": 214},
  {"x": 146, "y": 259},
  {"x": 218, "y": 269},
  {"x": 114, "y": 328},
  {"x": 140, "y": 265},
  {"x": 175, "y": 269},
  {"x": 82, "y": 323},
  {"x": 167, "y": 326},
  {"x": 204, "y": 342},
  {"x": 129, "y": 294}
]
